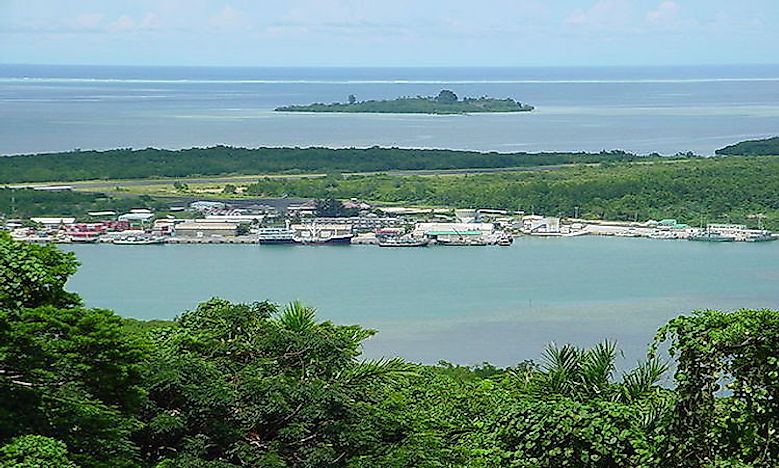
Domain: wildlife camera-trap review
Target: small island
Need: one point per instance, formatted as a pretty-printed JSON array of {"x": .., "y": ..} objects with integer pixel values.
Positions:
[{"x": 445, "y": 103}]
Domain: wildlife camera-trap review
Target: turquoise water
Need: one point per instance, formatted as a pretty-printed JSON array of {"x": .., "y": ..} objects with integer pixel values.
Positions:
[{"x": 465, "y": 305}]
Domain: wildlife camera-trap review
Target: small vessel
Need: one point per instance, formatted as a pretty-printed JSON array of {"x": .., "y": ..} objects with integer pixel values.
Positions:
[
  {"x": 403, "y": 242},
  {"x": 505, "y": 241},
  {"x": 138, "y": 240},
  {"x": 314, "y": 234},
  {"x": 83, "y": 239},
  {"x": 710, "y": 236},
  {"x": 764, "y": 236},
  {"x": 276, "y": 236},
  {"x": 463, "y": 242}
]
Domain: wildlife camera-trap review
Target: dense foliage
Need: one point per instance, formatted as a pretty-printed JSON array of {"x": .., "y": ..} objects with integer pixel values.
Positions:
[
  {"x": 230, "y": 385},
  {"x": 767, "y": 147},
  {"x": 446, "y": 102},
  {"x": 218, "y": 160},
  {"x": 693, "y": 190},
  {"x": 27, "y": 203}
]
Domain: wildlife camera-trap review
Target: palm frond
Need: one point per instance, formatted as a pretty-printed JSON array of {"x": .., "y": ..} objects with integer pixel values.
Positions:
[
  {"x": 379, "y": 369},
  {"x": 297, "y": 317},
  {"x": 598, "y": 365},
  {"x": 643, "y": 379}
]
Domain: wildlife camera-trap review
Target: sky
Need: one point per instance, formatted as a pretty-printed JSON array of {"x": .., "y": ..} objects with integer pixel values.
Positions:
[{"x": 389, "y": 32}]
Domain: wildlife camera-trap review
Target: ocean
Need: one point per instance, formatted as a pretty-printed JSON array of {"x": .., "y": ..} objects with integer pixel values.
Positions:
[{"x": 642, "y": 109}]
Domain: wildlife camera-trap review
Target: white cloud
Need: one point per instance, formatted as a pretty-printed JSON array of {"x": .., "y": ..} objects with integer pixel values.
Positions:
[
  {"x": 666, "y": 12},
  {"x": 150, "y": 21},
  {"x": 604, "y": 13},
  {"x": 87, "y": 22},
  {"x": 122, "y": 24},
  {"x": 230, "y": 19}
]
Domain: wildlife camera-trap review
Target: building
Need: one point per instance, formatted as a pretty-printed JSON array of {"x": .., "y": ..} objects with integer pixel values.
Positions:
[
  {"x": 466, "y": 215},
  {"x": 539, "y": 224},
  {"x": 234, "y": 218},
  {"x": 204, "y": 229},
  {"x": 203, "y": 206},
  {"x": 437, "y": 229},
  {"x": 53, "y": 223},
  {"x": 362, "y": 223}
]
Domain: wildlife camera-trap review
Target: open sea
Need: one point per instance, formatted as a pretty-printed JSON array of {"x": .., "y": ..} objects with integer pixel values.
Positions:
[{"x": 643, "y": 110}]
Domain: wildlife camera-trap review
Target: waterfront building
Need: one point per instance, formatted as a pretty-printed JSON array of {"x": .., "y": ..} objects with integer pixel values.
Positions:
[
  {"x": 368, "y": 223},
  {"x": 201, "y": 229},
  {"x": 539, "y": 224},
  {"x": 433, "y": 229},
  {"x": 136, "y": 217},
  {"x": 53, "y": 223}
]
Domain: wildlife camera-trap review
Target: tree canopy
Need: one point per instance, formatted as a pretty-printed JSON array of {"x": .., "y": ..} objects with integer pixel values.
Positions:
[{"x": 259, "y": 385}]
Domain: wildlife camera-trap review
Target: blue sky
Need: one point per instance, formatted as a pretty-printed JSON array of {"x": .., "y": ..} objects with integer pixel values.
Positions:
[{"x": 389, "y": 32}]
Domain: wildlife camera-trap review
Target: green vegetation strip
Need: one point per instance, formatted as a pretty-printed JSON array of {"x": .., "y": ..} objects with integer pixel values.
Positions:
[
  {"x": 711, "y": 189},
  {"x": 223, "y": 160}
]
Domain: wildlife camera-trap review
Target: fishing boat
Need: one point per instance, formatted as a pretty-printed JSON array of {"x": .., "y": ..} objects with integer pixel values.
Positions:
[
  {"x": 276, "y": 236},
  {"x": 83, "y": 239},
  {"x": 403, "y": 242},
  {"x": 764, "y": 236},
  {"x": 710, "y": 236},
  {"x": 138, "y": 240},
  {"x": 462, "y": 242}
]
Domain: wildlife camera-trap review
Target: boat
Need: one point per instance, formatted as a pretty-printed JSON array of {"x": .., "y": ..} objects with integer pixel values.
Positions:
[
  {"x": 83, "y": 239},
  {"x": 710, "y": 236},
  {"x": 403, "y": 242},
  {"x": 314, "y": 234},
  {"x": 138, "y": 240},
  {"x": 462, "y": 242},
  {"x": 505, "y": 241},
  {"x": 764, "y": 236},
  {"x": 271, "y": 236}
]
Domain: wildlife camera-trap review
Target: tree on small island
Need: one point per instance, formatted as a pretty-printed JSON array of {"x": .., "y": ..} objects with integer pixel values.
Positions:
[
  {"x": 446, "y": 97},
  {"x": 446, "y": 102}
]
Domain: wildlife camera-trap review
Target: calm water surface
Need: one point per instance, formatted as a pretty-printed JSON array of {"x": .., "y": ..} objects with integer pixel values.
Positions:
[
  {"x": 663, "y": 109},
  {"x": 460, "y": 304}
]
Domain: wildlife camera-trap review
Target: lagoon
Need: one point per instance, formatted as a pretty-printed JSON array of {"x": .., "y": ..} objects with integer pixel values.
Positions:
[
  {"x": 638, "y": 109},
  {"x": 461, "y": 304}
]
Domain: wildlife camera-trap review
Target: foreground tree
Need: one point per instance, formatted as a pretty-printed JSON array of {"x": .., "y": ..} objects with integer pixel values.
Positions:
[
  {"x": 34, "y": 275},
  {"x": 66, "y": 372},
  {"x": 35, "y": 452},
  {"x": 738, "y": 352},
  {"x": 248, "y": 385}
]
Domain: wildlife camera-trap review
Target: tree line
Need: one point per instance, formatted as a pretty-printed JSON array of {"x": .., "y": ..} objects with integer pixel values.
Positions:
[
  {"x": 259, "y": 385},
  {"x": 693, "y": 190},
  {"x": 221, "y": 160}
]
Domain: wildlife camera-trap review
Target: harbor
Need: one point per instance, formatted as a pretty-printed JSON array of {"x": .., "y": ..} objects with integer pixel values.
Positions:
[
  {"x": 216, "y": 222},
  {"x": 572, "y": 289}
]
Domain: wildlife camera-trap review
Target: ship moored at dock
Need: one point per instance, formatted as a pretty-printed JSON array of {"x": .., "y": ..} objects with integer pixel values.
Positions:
[{"x": 317, "y": 234}]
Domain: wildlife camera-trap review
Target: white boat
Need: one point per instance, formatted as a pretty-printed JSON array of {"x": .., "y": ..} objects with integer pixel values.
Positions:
[
  {"x": 276, "y": 236},
  {"x": 138, "y": 240}
]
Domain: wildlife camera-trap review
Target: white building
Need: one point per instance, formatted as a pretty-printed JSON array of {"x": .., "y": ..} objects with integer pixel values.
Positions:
[{"x": 430, "y": 229}]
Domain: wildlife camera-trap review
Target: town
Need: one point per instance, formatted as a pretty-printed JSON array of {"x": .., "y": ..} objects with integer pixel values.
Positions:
[{"x": 316, "y": 222}]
